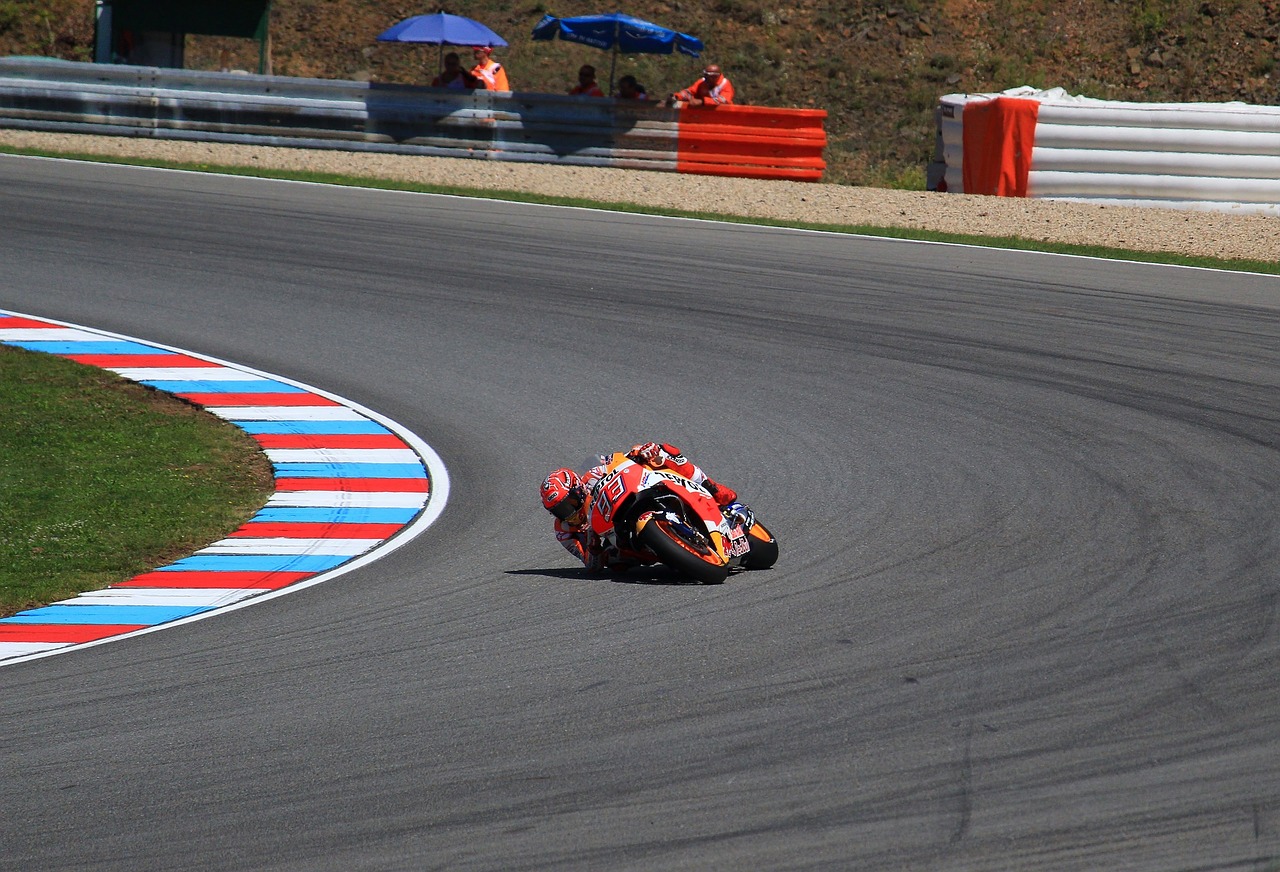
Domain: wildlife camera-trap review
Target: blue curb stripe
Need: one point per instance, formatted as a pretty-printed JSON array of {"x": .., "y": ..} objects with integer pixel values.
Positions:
[
  {"x": 349, "y": 470},
  {"x": 257, "y": 563},
  {"x": 65, "y": 348},
  {"x": 324, "y": 428},
  {"x": 122, "y": 615},
  {"x": 255, "y": 386},
  {"x": 336, "y": 515}
]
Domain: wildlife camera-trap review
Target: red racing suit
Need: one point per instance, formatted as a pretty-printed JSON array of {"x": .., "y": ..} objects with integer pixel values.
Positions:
[{"x": 578, "y": 539}]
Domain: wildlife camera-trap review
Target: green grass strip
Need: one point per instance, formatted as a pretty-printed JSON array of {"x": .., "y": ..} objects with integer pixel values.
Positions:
[
  {"x": 102, "y": 478},
  {"x": 1007, "y": 242}
]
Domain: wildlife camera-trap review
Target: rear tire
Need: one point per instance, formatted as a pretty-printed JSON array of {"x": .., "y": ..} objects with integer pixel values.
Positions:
[{"x": 689, "y": 555}]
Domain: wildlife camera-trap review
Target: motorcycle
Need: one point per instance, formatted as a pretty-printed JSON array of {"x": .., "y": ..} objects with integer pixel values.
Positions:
[{"x": 658, "y": 516}]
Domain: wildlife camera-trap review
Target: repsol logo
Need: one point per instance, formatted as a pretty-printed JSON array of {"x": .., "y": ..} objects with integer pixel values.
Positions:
[{"x": 688, "y": 483}]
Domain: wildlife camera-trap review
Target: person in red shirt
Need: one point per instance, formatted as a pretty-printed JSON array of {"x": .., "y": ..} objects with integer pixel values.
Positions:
[
  {"x": 713, "y": 89},
  {"x": 487, "y": 70},
  {"x": 566, "y": 495},
  {"x": 586, "y": 86},
  {"x": 630, "y": 89}
]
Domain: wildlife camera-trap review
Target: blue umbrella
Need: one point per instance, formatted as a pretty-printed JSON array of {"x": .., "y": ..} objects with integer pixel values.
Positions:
[
  {"x": 441, "y": 29},
  {"x": 619, "y": 33}
]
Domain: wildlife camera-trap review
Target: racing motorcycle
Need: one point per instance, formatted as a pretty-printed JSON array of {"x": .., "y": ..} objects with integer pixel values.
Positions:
[{"x": 658, "y": 516}]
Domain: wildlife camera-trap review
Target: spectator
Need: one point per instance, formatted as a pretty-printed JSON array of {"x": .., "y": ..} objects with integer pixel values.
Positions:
[
  {"x": 713, "y": 89},
  {"x": 630, "y": 89},
  {"x": 487, "y": 70},
  {"x": 586, "y": 86},
  {"x": 454, "y": 76}
]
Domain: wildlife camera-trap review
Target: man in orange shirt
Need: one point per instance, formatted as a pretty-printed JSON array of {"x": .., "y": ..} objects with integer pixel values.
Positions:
[
  {"x": 713, "y": 89},
  {"x": 488, "y": 70}
]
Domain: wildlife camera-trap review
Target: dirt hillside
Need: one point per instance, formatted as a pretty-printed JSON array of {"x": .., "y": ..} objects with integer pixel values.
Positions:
[{"x": 877, "y": 67}]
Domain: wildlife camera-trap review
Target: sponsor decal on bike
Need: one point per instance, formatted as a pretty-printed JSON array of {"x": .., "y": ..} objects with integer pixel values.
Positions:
[
  {"x": 686, "y": 483},
  {"x": 609, "y": 490}
]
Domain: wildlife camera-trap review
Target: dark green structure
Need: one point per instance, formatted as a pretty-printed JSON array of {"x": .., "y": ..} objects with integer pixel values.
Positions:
[{"x": 153, "y": 32}]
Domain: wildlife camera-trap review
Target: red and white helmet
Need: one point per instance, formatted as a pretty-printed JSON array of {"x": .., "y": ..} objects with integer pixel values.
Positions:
[{"x": 563, "y": 494}]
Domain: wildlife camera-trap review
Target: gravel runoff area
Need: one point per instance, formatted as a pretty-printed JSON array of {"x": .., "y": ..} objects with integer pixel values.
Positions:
[{"x": 1209, "y": 234}]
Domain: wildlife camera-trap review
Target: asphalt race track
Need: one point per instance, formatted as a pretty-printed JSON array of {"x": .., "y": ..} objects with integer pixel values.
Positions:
[{"x": 1025, "y": 615}]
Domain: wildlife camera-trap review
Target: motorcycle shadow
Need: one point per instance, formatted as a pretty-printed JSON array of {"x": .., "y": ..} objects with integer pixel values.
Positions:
[{"x": 653, "y": 575}]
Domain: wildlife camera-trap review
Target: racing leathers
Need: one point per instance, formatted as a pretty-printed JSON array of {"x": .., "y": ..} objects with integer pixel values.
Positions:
[{"x": 574, "y": 534}]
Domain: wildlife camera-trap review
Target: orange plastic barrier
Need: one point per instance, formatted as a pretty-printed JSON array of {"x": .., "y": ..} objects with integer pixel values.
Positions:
[
  {"x": 999, "y": 135},
  {"x": 752, "y": 142}
]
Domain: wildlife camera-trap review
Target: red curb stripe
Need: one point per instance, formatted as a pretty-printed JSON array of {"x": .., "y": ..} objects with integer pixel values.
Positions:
[
  {"x": 230, "y": 580},
  {"x": 219, "y": 400},
  {"x": 354, "y": 485},
  {"x": 135, "y": 361},
  {"x": 12, "y": 322},
  {"x": 335, "y": 440},
  {"x": 63, "y": 632},
  {"x": 305, "y": 530}
]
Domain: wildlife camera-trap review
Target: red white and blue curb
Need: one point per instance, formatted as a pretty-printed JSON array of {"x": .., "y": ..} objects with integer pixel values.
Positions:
[{"x": 350, "y": 487}]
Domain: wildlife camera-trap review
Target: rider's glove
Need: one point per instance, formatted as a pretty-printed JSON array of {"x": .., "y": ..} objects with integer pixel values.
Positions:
[
  {"x": 594, "y": 552},
  {"x": 739, "y": 513},
  {"x": 649, "y": 453}
]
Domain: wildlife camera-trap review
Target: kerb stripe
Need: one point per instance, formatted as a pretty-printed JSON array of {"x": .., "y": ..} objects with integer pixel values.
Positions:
[{"x": 349, "y": 487}]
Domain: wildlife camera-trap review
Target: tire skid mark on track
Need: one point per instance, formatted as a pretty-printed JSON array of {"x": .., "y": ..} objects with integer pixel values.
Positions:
[{"x": 351, "y": 486}]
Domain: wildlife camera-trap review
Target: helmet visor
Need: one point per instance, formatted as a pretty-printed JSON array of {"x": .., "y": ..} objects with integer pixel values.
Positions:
[{"x": 568, "y": 507}]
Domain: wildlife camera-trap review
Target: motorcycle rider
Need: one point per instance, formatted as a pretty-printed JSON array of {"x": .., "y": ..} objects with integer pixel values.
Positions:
[{"x": 566, "y": 495}]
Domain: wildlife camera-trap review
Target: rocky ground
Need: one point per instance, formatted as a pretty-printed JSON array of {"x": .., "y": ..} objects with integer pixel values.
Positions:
[{"x": 1191, "y": 233}]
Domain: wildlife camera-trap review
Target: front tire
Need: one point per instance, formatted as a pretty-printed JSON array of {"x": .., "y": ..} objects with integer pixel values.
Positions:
[
  {"x": 683, "y": 550},
  {"x": 764, "y": 548}
]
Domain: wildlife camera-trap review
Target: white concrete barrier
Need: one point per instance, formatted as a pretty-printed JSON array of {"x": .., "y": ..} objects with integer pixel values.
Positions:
[{"x": 1210, "y": 156}]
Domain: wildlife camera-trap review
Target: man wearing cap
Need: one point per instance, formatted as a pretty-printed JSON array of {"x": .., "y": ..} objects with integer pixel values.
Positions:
[
  {"x": 487, "y": 70},
  {"x": 713, "y": 89}
]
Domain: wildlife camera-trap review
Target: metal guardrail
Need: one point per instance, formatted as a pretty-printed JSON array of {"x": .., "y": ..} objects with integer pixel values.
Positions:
[{"x": 51, "y": 95}]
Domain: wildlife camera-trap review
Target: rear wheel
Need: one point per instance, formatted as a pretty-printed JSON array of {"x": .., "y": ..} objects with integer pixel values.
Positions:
[
  {"x": 764, "y": 548},
  {"x": 683, "y": 549}
]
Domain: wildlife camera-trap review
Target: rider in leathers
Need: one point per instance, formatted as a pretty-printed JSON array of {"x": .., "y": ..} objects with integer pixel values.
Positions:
[{"x": 566, "y": 495}]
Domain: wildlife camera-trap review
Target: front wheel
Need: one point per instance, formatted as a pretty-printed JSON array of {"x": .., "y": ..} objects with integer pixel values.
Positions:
[
  {"x": 764, "y": 548},
  {"x": 684, "y": 550}
]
